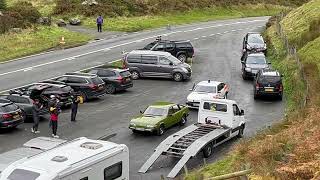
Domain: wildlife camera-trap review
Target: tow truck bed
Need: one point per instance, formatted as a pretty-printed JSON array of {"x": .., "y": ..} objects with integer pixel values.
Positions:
[{"x": 186, "y": 144}]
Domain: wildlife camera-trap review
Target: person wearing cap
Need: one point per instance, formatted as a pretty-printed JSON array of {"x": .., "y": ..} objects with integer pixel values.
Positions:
[
  {"x": 54, "y": 113},
  {"x": 74, "y": 107}
]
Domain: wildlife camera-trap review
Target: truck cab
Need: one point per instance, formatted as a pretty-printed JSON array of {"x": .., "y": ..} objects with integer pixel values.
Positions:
[{"x": 222, "y": 112}]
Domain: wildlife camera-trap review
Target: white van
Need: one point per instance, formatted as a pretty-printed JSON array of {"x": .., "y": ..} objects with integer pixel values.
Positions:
[{"x": 80, "y": 159}]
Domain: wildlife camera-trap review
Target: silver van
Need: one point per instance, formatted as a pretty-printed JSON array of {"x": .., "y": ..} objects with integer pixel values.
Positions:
[{"x": 145, "y": 63}]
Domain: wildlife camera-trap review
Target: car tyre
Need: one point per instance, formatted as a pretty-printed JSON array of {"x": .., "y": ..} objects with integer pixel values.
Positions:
[
  {"x": 183, "y": 120},
  {"x": 241, "y": 131},
  {"x": 177, "y": 77},
  {"x": 182, "y": 57},
  {"x": 207, "y": 150},
  {"x": 111, "y": 89},
  {"x": 161, "y": 130},
  {"x": 135, "y": 75}
]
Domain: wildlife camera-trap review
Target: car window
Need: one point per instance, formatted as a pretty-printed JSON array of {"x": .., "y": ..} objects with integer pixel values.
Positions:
[
  {"x": 62, "y": 79},
  {"x": 269, "y": 79},
  {"x": 76, "y": 80},
  {"x": 255, "y": 39},
  {"x": 205, "y": 89},
  {"x": 159, "y": 47},
  {"x": 169, "y": 46},
  {"x": 236, "y": 110},
  {"x": 174, "y": 60},
  {"x": 184, "y": 45},
  {"x": 156, "y": 111},
  {"x": 125, "y": 73},
  {"x": 176, "y": 108},
  {"x": 19, "y": 99},
  {"x": 256, "y": 60},
  {"x": 134, "y": 58},
  {"x": 164, "y": 61},
  {"x": 147, "y": 59},
  {"x": 149, "y": 46},
  {"x": 8, "y": 108},
  {"x": 93, "y": 71},
  {"x": 21, "y": 174},
  {"x": 215, "y": 107},
  {"x": 97, "y": 80},
  {"x": 220, "y": 86},
  {"x": 113, "y": 172},
  {"x": 106, "y": 73}
]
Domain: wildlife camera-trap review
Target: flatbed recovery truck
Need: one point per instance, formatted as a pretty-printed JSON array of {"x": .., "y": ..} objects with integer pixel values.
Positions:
[{"x": 219, "y": 120}]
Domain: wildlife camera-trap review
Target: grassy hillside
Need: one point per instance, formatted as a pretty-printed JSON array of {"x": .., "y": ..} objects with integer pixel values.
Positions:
[{"x": 289, "y": 149}]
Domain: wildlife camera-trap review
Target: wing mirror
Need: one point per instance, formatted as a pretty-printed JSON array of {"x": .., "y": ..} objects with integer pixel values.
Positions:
[
  {"x": 171, "y": 64},
  {"x": 141, "y": 112},
  {"x": 242, "y": 112},
  {"x": 269, "y": 63}
]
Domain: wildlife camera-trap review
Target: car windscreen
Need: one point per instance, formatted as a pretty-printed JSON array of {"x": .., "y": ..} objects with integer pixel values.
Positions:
[
  {"x": 256, "y": 60},
  {"x": 174, "y": 60},
  {"x": 125, "y": 73},
  {"x": 255, "y": 39},
  {"x": 8, "y": 108},
  {"x": 97, "y": 80},
  {"x": 269, "y": 79},
  {"x": 205, "y": 89},
  {"x": 155, "y": 111},
  {"x": 149, "y": 46},
  {"x": 22, "y": 174}
]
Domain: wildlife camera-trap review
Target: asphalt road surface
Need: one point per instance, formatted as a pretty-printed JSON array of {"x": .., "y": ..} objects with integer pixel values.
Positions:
[{"x": 218, "y": 52}]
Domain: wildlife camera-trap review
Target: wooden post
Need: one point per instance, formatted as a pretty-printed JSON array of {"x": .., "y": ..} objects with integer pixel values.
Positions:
[{"x": 231, "y": 175}]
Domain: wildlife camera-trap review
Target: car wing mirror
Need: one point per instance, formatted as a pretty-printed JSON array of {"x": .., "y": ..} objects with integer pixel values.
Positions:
[
  {"x": 171, "y": 64},
  {"x": 242, "y": 112},
  {"x": 141, "y": 112}
]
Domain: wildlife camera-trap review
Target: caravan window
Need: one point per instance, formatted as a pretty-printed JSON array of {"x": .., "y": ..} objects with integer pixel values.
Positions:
[
  {"x": 215, "y": 107},
  {"x": 21, "y": 174},
  {"x": 113, "y": 172}
]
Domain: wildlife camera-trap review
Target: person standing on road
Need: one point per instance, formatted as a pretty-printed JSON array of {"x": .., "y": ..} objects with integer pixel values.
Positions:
[
  {"x": 99, "y": 23},
  {"x": 35, "y": 113},
  {"x": 74, "y": 107},
  {"x": 54, "y": 113}
]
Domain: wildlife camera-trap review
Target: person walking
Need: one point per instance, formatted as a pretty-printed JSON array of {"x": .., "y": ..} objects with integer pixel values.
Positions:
[
  {"x": 74, "y": 107},
  {"x": 99, "y": 23},
  {"x": 54, "y": 113},
  {"x": 35, "y": 113}
]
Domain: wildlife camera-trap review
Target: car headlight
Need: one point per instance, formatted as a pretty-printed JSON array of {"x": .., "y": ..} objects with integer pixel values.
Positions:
[
  {"x": 247, "y": 69},
  {"x": 184, "y": 70},
  {"x": 150, "y": 126}
]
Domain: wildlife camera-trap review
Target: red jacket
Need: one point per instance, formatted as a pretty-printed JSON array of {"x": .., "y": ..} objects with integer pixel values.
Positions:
[{"x": 53, "y": 117}]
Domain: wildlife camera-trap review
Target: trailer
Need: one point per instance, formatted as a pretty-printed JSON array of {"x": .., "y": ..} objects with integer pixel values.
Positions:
[{"x": 219, "y": 120}]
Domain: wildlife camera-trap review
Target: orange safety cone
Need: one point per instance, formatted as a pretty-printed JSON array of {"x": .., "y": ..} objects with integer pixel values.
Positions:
[{"x": 62, "y": 42}]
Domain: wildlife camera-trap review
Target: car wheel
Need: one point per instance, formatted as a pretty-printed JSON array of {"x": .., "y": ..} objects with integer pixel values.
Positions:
[
  {"x": 177, "y": 77},
  {"x": 182, "y": 57},
  {"x": 161, "y": 130},
  {"x": 135, "y": 75},
  {"x": 241, "y": 131},
  {"x": 110, "y": 89},
  {"x": 207, "y": 150},
  {"x": 183, "y": 120},
  {"x": 84, "y": 96}
]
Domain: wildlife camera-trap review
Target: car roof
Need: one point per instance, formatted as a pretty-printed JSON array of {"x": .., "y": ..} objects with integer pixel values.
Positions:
[
  {"x": 5, "y": 103},
  {"x": 162, "y": 103},
  {"x": 209, "y": 83},
  {"x": 111, "y": 69},
  {"x": 81, "y": 75},
  {"x": 148, "y": 52},
  {"x": 51, "y": 84}
]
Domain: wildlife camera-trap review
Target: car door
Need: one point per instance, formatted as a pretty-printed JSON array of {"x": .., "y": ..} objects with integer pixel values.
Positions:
[
  {"x": 23, "y": 103},
  {"x": 236, "y": 116},
  {"x": 171, "y": 120},
  {"x": 170, "y": 48},
  {"x": 149, "y": 65},
  {"x": 165, "y": 66},
  {"x": 159, "y": 47}
]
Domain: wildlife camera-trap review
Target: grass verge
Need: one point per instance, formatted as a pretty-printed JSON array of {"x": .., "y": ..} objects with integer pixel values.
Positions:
[
  {"x": 131, "y": 24},
  {"x": 37, "y": 40}
]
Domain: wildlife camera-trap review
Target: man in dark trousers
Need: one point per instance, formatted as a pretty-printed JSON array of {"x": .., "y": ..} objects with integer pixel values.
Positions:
[
  {"x": 99, "y": 23},
  {"x": 54, "y": 113},
  {"x": 35, "y": 113},
  {"x": 74, "y": 107}
]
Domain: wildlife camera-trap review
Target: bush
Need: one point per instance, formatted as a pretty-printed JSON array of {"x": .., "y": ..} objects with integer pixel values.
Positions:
[
  {"x": 3, "y": 4},
  {"x": 28, "y": 13}
]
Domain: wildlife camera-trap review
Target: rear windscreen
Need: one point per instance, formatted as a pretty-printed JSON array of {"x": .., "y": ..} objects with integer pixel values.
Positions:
[
  {"x": 269, "y": 79},
  {"x": 215, "y": 107},
  {"x": 97, "y": 80},
  {"x": 21, "y": 174},
  {"x": 8, "y": 108},
  {"x": 125, "y": 73}
]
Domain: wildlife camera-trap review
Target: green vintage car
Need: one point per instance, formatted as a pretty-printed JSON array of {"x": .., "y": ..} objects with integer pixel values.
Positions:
[{"x": 160, "y": 116}]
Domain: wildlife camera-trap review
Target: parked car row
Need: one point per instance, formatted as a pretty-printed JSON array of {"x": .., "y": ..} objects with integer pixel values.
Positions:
[{"x": 267, "y": 82}]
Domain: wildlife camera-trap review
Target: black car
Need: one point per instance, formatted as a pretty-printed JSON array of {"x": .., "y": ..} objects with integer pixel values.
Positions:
[
  {"x": 10, "y": 115},
  {"x": 43, "y": 91},
  {"x": 252, "y": 63},
  {"x": 180, "y": 49},
  {"x": 89, "y": 86},
  {"x": 25, "y": 103},
  {"x": 254, "y": 42},
  {"x": 115, "y": 79},
  {"x": 268, "y": 83}
]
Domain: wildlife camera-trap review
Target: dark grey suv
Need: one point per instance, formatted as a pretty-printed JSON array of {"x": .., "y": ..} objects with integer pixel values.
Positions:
[{"x": 143, "y": 63}]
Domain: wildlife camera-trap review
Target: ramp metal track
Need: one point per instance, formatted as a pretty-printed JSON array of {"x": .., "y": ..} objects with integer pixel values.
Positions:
[{"x": 184, "y": 145}]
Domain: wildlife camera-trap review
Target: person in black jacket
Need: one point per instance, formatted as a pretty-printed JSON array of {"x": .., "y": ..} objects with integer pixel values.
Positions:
[
  {"x": 74, "y": 107},
  {"x": 35, "y": 113}
]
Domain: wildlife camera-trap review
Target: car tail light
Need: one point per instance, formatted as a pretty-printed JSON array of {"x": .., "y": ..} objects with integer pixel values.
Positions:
[
  {"x": 280, "y": 87},
  {"x": 7, "y": 116},
  {"x": 120, "y": 79},
  {"x": 93, "y": 86},
  {"x": 258, "y": 86}
]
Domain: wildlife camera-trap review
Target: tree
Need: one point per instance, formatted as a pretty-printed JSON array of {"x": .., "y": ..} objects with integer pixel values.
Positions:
[{"x": 3, "y": 4}]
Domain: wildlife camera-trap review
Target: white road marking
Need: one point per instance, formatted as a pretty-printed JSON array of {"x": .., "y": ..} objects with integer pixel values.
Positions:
[
  {"x": 203, "y": 36},
  {"x": 195, "y": 38}
]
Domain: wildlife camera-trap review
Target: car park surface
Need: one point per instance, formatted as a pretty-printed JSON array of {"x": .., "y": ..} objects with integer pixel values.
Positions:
[{"x": 109, "y": 116}]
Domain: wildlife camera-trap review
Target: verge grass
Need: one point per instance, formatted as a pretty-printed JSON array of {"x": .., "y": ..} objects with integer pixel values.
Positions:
[
  {"x": 131, "y": 24},
  {"x": 45, "y": 7},
  {"x": 39, "y": 39}
]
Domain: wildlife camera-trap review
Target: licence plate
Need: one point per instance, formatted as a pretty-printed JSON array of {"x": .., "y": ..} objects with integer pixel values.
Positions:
[{"x": 268, "y": 89}]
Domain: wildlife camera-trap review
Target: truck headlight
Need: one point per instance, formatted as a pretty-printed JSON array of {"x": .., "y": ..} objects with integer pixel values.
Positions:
[
  {"x": 247, "y": 69},
  {"x": 184, "y": 70}
]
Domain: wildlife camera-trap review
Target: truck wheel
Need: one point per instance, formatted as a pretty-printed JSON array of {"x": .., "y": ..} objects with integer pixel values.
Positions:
[
  {"x": 241, "y": 130},
  {"x": 161, "y": 130},
  {"x": 207, "y": 150},
  {"x": 135, "y": 75},
  {"x": 183, "y": 120},
  {"x": 110, "y": 89},
  {"x": 177, "y": 77},
  {"x": 182, "y": 57}
]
